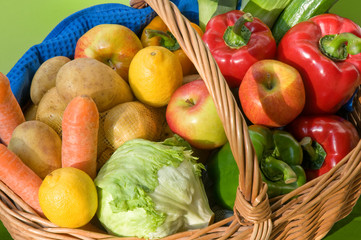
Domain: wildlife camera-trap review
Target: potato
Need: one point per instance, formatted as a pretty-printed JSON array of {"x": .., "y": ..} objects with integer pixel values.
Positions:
[
  {"x": 45, "y": 77},
  {"x": 93, "y": 78},
  {"x": 166, "y": 132},
  {"x": 30, "y": 112},
  {"x": 38, "y": 146},
  {"x": 103, "y": 143},
  {"x": 104, "y": 157},
  {"x": 131, "y": 120},
  {"x": 50, "y": 110}
]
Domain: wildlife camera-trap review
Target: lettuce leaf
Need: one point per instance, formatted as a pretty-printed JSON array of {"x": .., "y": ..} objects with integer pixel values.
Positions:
[{"x": 151, "y": 190}]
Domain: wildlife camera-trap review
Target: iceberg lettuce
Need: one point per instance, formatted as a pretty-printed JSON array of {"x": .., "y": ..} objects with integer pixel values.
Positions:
[{"x": 151, "y": 190}]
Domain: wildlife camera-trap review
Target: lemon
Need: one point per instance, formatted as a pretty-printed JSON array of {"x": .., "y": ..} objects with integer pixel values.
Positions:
[
  {"x": 154, "y": 74},
  {"x": 68, "y": 197}
]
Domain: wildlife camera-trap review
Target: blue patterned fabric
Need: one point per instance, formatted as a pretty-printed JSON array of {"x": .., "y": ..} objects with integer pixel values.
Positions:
[{"x": 61, "y": 41}]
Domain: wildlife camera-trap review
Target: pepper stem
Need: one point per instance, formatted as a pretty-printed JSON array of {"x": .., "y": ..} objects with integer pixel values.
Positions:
[
  {"x": 315, "y": 154},
  {"x": 167, "y": 39},
  {"x": 306, "y": 144},
  {"x": 273, "y": 168},
  {"x": 238, "y": 35},
  {"x": 338, "y": 46},
  {"x": 237, "y": 27}
]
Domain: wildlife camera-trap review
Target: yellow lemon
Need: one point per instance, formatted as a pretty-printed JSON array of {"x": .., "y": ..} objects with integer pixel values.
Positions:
[
  {"x": 68, "y": 197},
  {"x": 154, "y": 74}
]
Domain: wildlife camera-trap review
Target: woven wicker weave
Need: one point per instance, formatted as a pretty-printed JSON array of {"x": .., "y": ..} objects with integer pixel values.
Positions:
[{"x": 320, "y": 203}]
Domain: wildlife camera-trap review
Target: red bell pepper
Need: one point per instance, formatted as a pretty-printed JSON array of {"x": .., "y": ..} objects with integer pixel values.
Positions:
[
  {"x": 326, "y": 51},
  {"x": 326, "y": 139},
  {"x": 236, "y": 40}
]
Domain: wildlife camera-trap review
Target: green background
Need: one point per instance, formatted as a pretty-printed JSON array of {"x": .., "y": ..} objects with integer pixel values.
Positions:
[{"x": 24, "y": 23}]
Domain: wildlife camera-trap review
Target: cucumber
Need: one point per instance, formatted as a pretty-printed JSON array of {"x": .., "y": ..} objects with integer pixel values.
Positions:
[
  {"x": 299, "y": 11},
  {"x": 266, "y": 10}
]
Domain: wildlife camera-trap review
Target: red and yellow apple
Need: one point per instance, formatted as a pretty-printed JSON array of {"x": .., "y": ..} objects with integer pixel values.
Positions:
[
  {"x": 112, "y": 44},
  {"x": 272, "y": 93},
  {"x": 192, "y": 114}
]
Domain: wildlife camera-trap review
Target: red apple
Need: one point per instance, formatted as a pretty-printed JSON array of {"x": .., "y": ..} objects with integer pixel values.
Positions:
[
  {"x": 272, "y": 93},
  {"x": 112, "y": 44},
  {"x": 192, "y": 114}
]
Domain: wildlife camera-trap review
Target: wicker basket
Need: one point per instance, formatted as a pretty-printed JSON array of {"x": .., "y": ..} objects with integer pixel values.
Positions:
[{"x": 320, "y": 203}]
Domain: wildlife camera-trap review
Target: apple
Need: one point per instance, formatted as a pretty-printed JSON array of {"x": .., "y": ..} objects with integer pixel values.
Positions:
[
  {"x": 192, "y": 114},
  {"x": 272, "y": 93},
  {"x": 112, "y": 44}
]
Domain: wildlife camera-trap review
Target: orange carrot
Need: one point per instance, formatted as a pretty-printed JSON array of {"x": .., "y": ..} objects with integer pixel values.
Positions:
[
  {"x": 80, "y": 126},
  {"x": 20, "y": 178},
  {"x": 10, "y": 111}
]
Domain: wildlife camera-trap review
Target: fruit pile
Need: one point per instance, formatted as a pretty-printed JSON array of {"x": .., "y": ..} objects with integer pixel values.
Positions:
[{"x": 118, "y": 135}]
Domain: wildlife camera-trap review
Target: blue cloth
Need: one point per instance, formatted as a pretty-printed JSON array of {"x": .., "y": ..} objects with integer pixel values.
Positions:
[{"x": 61, "y": 41}]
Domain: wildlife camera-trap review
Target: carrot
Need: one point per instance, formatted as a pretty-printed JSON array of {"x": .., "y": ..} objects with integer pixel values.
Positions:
[
  {"x": 20, "y": 178},
  {"x": 80, "y": 126},
  {"x": 10, "y": 111}
]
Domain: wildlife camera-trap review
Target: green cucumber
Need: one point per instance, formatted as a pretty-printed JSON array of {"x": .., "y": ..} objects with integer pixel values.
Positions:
[
  {"x": 298, "y": 11},
  {"x": 266, "y": 10}
]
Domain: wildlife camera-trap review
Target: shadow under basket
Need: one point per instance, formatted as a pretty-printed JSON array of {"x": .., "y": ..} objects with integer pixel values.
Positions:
[{"x": 308, "y": 212}]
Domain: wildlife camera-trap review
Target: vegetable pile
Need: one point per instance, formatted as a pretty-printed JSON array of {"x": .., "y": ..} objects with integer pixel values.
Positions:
[{"x": 131, "y": 113}]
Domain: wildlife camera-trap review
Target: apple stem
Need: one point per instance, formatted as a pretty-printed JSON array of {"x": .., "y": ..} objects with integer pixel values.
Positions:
[
  {"x": 111, "y": 64},
  {"x": 190, "y": 101},
  {"x": 269, "y": 81}
]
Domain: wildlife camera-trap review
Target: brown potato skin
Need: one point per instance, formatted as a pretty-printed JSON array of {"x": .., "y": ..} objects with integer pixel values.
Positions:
[
  {"x": 38, "y": 146},
  {"x": 30, "y": 111},
  {"x": 88, "y": 76},
  {"x": 132, "y": 120},
  {"x": 45, "y": 77},
  {"x": 50, "y": 110}
]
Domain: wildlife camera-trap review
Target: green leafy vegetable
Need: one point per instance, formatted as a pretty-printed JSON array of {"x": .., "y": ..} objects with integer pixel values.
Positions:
[
  {"x": 151, "y": 190},
  {"x": 211, "y": 8},
  {"x": 266, "y": 10}
]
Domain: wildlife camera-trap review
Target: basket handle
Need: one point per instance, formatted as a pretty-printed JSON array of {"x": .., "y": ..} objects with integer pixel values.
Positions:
[
  {"x": 252, "y": 205},
  {"x": 139, "y": 4}
]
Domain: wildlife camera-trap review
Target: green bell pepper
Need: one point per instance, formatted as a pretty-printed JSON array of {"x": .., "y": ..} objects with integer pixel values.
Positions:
[
  {"x": 280, "y": 157},
  {"x": 223, "y": 176}
]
